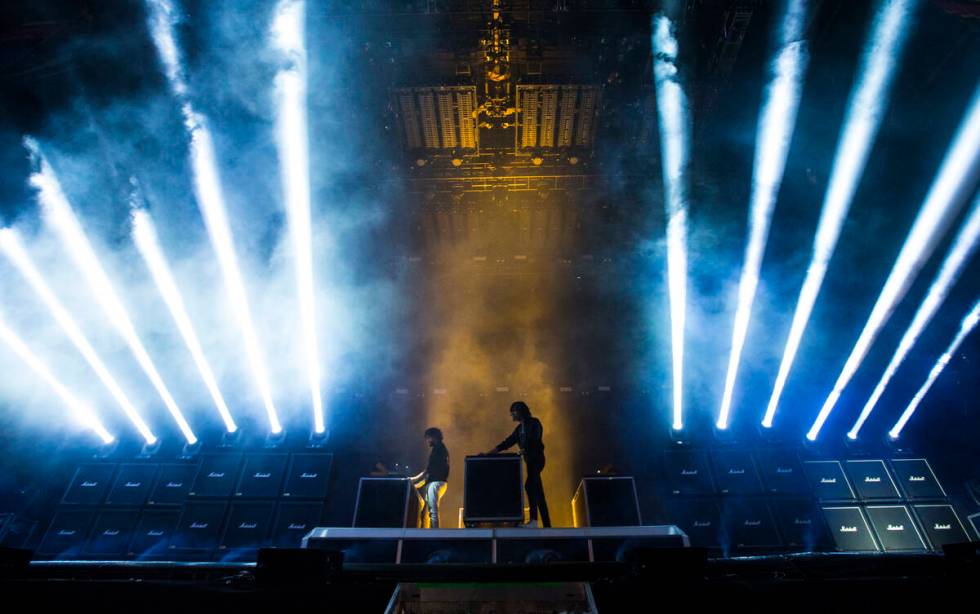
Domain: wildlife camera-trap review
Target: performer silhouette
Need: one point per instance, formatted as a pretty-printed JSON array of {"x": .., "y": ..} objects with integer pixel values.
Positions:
[
  {"x": 434, "y": 480},
  {"x": 528, "y": 437}
]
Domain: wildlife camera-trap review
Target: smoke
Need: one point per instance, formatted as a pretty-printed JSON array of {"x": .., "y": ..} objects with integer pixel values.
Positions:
[{"x": 97, "y": 142}]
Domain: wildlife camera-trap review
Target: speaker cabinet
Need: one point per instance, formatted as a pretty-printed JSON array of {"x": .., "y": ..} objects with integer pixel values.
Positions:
[
  {"x": 493, "y": 489},
  {"x": 606, "y": 502},
  {"x": 217, "y": 476},
  {"x": 849, "y": 529},
  {"x": 172, "y": 485},
  {"x": 132, "y": 485},
  {"x": 89, "y": 485},
  {"x": 872, "y": 481},
  {"x": 386, "y": 502}
]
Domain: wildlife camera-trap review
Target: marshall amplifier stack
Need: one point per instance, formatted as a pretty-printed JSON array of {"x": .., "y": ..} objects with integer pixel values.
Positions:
[
  {"x": 771, "y": 500},
  {"x": 221, "y": 506},
  {"x": 742, "y": 500},
  {"x": 893, "y": 506}
]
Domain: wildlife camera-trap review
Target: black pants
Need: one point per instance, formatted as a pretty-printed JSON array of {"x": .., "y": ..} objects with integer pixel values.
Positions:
[{"x": 535, "y": 493}]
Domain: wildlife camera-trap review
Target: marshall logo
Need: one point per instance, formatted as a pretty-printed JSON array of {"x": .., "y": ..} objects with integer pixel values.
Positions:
[
  {"x": 802, "y": 521},
  {"x": 702, "y": 523},
  {"x": 293, "y": 526},
  {"x": 942, "y": 527},
  {"x": 261, "y": 475},
  {"x": 895, "y": 527},
  {"x": 87, "y": 484},
  {"x": 248, "y": 525},
  {"x": 689, "y": 471},
  {"x": 111, "y": 532},
  {"x": 154, "y": 533},
  {"x": 847, "y": 529},
  {"x": 199, "y": 525},
  {"x": 307, "y": 476},
  {"x": 917, "y": 478},
  {"x": 67, "y": 531},
  {"x": 216, "y": 474},
  {"x": 174, "y": 485},
  {"x": 132, "y": 484},
  {"x": 828, "y": 480},
  {"x": 736, "y": 471},
  {"x": 784, "y": 470},
  {"x": 872, "y": 479},
  {"x": 752, "y": 523}
]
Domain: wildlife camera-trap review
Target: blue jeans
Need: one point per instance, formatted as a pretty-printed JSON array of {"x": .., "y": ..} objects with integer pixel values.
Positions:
[{"x": 433, "y": 491}]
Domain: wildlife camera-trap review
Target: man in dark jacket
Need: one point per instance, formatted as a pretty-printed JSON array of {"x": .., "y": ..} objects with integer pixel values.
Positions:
[
  {"x": 434, "y": 480},
  {"x": 528, "y": 437}
]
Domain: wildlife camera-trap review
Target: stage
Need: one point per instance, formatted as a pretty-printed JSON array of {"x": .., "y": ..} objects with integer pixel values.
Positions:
[{"x": 689, "y": 579}]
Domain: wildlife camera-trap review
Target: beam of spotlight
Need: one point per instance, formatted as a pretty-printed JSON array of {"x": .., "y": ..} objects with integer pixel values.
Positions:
[
  {"x": 58, "y": 213},
  {"x": 672, "y": 110},
  {"x": 145, "y": 237},
  {"x": 959, "y": 255},
  {"x": 82, "y": 413},
  {"x": 966, "y": 327},
  {"x": 10, "y": 244},
  {"x": 773, "y": 136},
  {"x": 949, "y": 190},
  {"x": 211, "y": 201},
  {"x": 293, "y": 143},
  {"x": 865, "y": 110}
]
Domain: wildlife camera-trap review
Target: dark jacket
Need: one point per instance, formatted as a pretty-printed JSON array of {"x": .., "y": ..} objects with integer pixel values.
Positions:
[
  {"x": 438, "y": 468},
  {"x": 528, "y": 437}
]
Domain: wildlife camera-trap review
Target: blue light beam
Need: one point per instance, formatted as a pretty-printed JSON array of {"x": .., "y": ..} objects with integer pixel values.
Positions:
[
  {"x": 865, "y": 110},
  {"x": 773, "y": 136}
]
